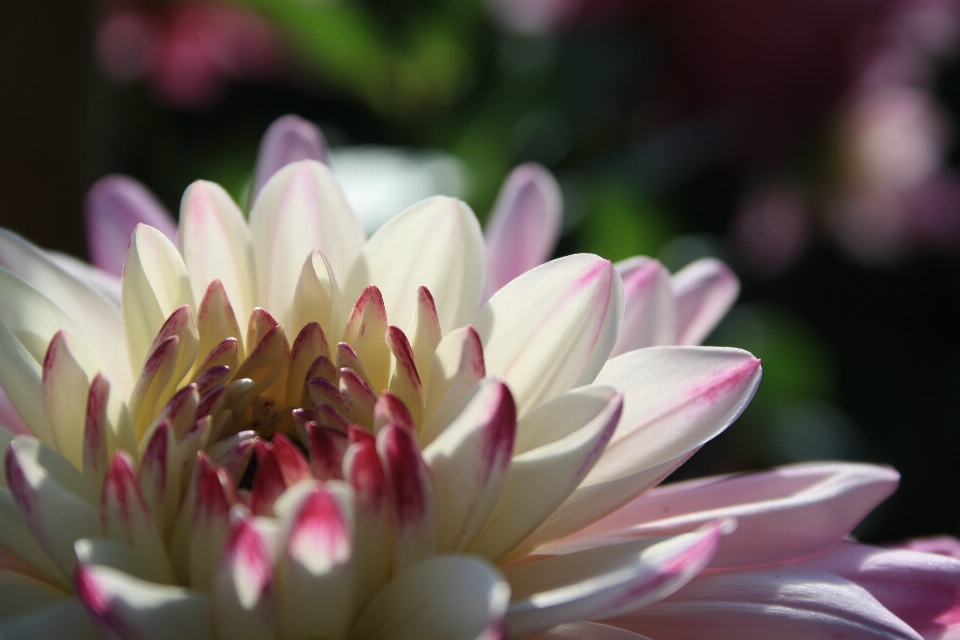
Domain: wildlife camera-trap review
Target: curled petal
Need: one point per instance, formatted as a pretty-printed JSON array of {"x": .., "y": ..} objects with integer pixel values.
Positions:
[
  {"x": 114, "y": 206},
  {"x": 454, "y": 597},
  {"x": 551, "y": 329},
  {"x": 704, "y": 291},
  {"x": 524, "y": 226}
]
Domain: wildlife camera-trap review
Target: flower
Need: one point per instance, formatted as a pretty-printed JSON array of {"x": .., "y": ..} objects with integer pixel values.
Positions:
[{"x": 419, "y": 482}]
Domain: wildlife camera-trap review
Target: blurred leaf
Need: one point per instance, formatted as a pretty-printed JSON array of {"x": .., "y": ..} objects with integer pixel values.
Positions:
[{"x": 619, "y": 224}]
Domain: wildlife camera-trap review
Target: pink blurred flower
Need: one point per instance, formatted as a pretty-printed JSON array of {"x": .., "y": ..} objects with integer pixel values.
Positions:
[{"x": 187, "y": 52}]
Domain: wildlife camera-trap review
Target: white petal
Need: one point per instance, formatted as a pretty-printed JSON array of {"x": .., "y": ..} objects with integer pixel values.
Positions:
[
  {"x": 675, "y": 400},
  {"x": 301, "y": 208},
  {"x": 551, "y": 329},
  {"x": 457, "y": 368},
  {"x": 64, "y": 621},
  {"x": 648, "y": 307},
  {"x": 216, "y": 245},
  {"x": 155, "y": 284},
  {"x": 469, "y": 463},
  {"x": 788, "y": 602},
  {"x": 437, "y": 244},
  {"x": 540, "y": 479},
  {"x": 65, "y": 388},
  {"x": 453, "y": 597},
  {"x": 127, "y": 608},
  {"x": 20, "y": 594},
  {"x": 704, "y": 291},
  {"x": 104, "y": 282},
  {"x": 601, "y": 583},
  {"x": 17, "y": 538},
  {"x": 97, "y": 318},
  {"x": 21, "y": 379},
  {"x": 242, "y": 603},
  {"x": 317, "y": 298}
]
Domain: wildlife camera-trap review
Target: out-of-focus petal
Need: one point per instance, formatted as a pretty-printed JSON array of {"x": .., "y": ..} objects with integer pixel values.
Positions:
[
  {"x": 453, "y": 597},
  {"x": 704, "y": 291},
  {"x": 289, "y": 139},
  {"x": 602, "y": 583},
  {"x": 551, "y": 329},
  {"x": 123, "y": 607},
  {"x": 216, "y": 245},
  {"x": 524, "y": 226},
  {"x": 787, "y": 513},
  {"x": 104, "y": 282},
  {"x": 942, "y": 545},
  {"x": 649, "y": 311},
  {"x": 587, "y": 631},
  {"x": 793, "y": 603},
  {"x": 115, "y": 205},
  {"x": 922, "y": 589},
  {"x": 301, "y": 208},
  {"x": 64, "y": 621},
  {"x": 437, "y": 244}
]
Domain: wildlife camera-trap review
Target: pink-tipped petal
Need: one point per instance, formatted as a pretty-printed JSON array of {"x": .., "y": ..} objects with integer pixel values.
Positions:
[
  {"x": 413, "y": 506},
  {"x": 364, "y": 471},
  {"x": 784, "y": 514},
  {"x": 359, "y": 400},
  {"x": 795, "y": 603},
  {"x": 524, "y": 226},
  {"x": 552, "y": 329},
  {"x": 217, "y": 324},
  {"x": 327, "y": 447},
  {"x": 159, "y": 477},
  {"x": 602, "y": 583},
  {"x": 649, "y": 311},
  {"x": 114, "y": 206},
  {"x": 469, "y": 464},
  {"x": 123, "y": 607},
  {"x": 405, "y": 381},
  {"x": 293, "y": 465},
  {"x": 704, "y": 291},
  {"x": 316, "y": 571},
  {"x": 390, "y": 408},
  {"x": 310, "y": 344},
  {"x": 454, "y": 597},
  {"x": 365, "y": 333},
  {"x": 214, "y": 496},
  {"x": 243, "y": 585},
  {"x": 268, "y": 483},
  {"x": 425, "y": 333},
  {"x": 289, "y": 139},
  {"x": 64, "y": 387}
]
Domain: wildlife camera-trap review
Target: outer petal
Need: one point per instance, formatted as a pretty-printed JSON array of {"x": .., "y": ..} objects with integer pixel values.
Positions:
[
  {"x": 782, "y": 514},
  {"x": 216, "y": 245},
  {"x": 243, "y": 585},
  {"x": 104, "y": 282},
  {"x": 587, "y": 631},
  {"x": 454, "y": 597},
  {"x": 675, "y": 400},
  {"x": 155, "y": 283},
  {"x": 289, "y": 139},
  {"x": 115, "y": 205},
  {"x": 704, "y": 290},
  {"x": 922, "y": 589},
  {"x": 601, "y": 583},
  {"x": 794, "y": 603},
  {"x": 18, "y": 542},
  {"x": 97, "y": 318},
  {"x": 552, "y": 328},
  {"x": 539, "y": 479},
  {"x": 649, "y": 311},
  {"x": 524, "y": 226},
  {"x": 64, "y": 621},
  {"x": 301, "y": 208},
  {"x": 437, "y": 244},
  {"x": 469, "y": 463},
  {"x": 126, "y": 608}
]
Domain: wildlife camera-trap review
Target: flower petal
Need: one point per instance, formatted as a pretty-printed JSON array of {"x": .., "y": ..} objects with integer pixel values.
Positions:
[
  {"x": 704, "y": 291},
  {"x": 587, "y": 631},
  {"x": 155, "y": 284},
  {"x": 289, "y": 139},
  {"x": 675, "y": 400},
  {"x": 453, "y": 597},
  {"x": 524, "y": 226},
  {"x": 243, "y": 585},
  {"x": 436, "y": 243},
  {"x": 551, "y": 329},
  {"x": 457, "y": 368},
  {"x": 648, "y": 306},
  {"x": 301, "y": 208},
  {"x": 64, "y": 389},
  {"x": 602, "y": 583},
  {"x": 127, "y": 608},
  {"x": 216, "y": 245},
  {"x": 21, "y": 594},
  {"x": 64, "y": 621},
  {"x": 114, "y": 206},
  {"x": 105, "y": 283},
  {"x": 17, "y": 538},
  {"x": 98, "y": 320},
  {"x": 469, "y": 463},
  {"x": 317, "y": 297},
  {"x": 784, "y": 514},
  {"x": 539, "y": 479},
  {"x": 794, "y": 603}
]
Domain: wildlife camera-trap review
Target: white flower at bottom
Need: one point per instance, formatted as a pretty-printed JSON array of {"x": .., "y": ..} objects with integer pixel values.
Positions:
[{"x": 402, "y": 477}]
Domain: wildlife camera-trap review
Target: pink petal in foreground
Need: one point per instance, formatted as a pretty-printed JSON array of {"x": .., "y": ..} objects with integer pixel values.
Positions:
[
  {"x": 290, "y": 138},
  {"x": 115, "y": 205},
  {"x": 783, "y": 514},
  {"x": 784, "y": 602},
  {"x": 524, "y": 226}
]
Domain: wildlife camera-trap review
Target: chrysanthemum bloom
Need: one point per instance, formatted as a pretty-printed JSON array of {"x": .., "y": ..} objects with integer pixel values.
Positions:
[{"x": 404, "y": 479}]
